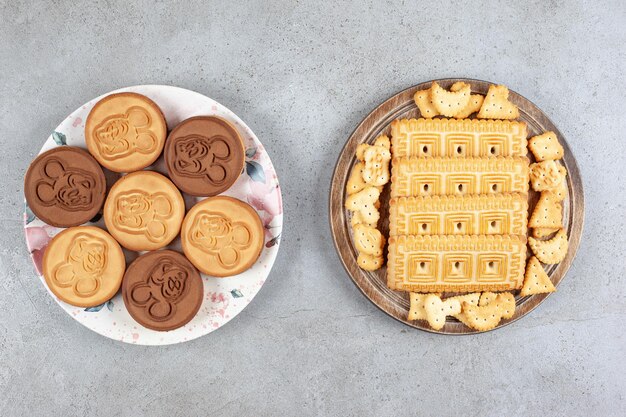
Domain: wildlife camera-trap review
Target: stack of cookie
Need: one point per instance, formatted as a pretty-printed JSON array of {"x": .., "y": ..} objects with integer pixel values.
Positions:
[{"x": 144, "y": 211}]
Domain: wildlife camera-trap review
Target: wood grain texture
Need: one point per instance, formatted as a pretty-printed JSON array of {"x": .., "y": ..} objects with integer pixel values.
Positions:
[{"x": 373, "y": 284}]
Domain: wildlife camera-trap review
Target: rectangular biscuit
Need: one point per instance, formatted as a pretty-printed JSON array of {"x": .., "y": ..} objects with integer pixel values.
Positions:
[
  {"x": 458, "y": 176},
  {"x": 485, "y": 214},
  {"x": 458, "y": 138},
  {"x": 456, "y": 263}
]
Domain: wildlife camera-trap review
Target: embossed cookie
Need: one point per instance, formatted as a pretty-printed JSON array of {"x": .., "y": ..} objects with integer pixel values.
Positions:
[
  {"x": 83, "y": 266},
  {"x": 222, "y": 236},
  {"x": 546, "y": 175},
  {"x": 65, "y": 186},
  {"x": 204, "y": 155},
  {"x": 144, "y": 211},
  {"x": 162, "y": 290},
  {"x": 125, "y": 132}
]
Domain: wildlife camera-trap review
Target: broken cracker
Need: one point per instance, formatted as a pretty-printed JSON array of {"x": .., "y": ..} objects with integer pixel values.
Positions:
[
  {"x": 449, "y": 103},
  {"x": 545, "y": 147},
  {"x": 357, "y": 219},
  {"x": 363, "y": 203},
  {"x": 376, "y": 170},
  {"x": 536, "y": 281},
  {"x": 383, "y": 140},
  {"x": 497, "y": 105},
  {"x": 437, "y": 310},
  {"x": 369, "y": 262},
  {"x": 546, "y": 175},
  {"x": 550, "y": 251},
  {"x": 424, "y": 103},
  {"x": 416, "y": 310},
  {"x": 487, "y": 298},
  {"x": 487, "y": 317},
  {"x": 355, "y": 181},
  {"x": 474, "y": 104}
]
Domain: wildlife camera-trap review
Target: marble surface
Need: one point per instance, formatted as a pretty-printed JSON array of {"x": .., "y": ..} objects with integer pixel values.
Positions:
[{"x": 302, "y": 74}]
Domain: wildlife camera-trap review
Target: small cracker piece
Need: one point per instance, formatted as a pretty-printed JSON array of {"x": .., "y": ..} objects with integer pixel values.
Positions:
[
  {"x": 437, "y": 310},
  {"x": 368, "y": 240},
  {"x": 545, "y": 147},
  {"x": 471, "y": 299},
  {"x": 546, "y": 175},
  {"x": 497, "y": 105},
  {"x": 550, "y": 251},
  {"x": 355, "y": 181},
  {"x": 449, "y": 103},
  {"x": 383, "y": 140},
  {"x": 376, "y": 170},
  {"x": 363, "y": 203},
  {"x": 369, "y": 262},
  {"x": 425, "y": 104},
  {"x": 542, "y": 232},
  {"x": 360, "y": 149},
  {"x": 474, "y": 104},
  {"x": 487, "y": 298},
  {"x": 487, "y": 317},
  {"x": 416, "y": 310},
  {"x": 536, "y": 281},
  {"x": 357, "y": 219},
  {"x": 548, "y": 212}
]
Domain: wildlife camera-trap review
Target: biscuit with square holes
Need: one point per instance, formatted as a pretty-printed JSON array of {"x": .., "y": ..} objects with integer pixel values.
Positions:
[
  {"x": 545, "y": 147},
  {"x": 355, "y": 181},
  {"x": 449, "y": 103},
  {"x": 376, "y": 170},
  {"x": 437, "y": 310},
  {"x": 487, "y": 317},
  {"x": 368, "y": 240},
  {"x": 425, "y": 104},
  {"x": 363, "y": 203},
  {"x": 475, "y": 101},
  {"x": 543, "y": 232},
  {"x": 546, "y": 175},
  {"x": 497, "y": 105},
  {"x": 369, "y": 262},
  {"x": 548, "y": 212},
  {"x": 416, "y": 309},
  {"x": 536, "y": 281},
  {"x": 550, "y": 251}
]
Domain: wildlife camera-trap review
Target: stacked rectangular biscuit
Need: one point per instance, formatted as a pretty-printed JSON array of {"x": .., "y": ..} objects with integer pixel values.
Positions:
[{"x": 459, "y": 212}]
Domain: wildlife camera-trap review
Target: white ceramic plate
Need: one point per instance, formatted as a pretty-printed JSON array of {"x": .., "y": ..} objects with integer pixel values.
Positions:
[{"x": 224, "y": 298}]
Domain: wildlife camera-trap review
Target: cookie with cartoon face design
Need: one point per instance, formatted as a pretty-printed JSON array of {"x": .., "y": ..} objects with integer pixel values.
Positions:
[
  {"x": 162, "y": 290},
  {"x": 83, "y": 266},
  {"x": 65, "y": 186},
  {"x": 144, "y": 211},
  {"x": 125, "y": 132},
  {"x": 204, "y": 155},
  {"x": 222, "y": 236}
]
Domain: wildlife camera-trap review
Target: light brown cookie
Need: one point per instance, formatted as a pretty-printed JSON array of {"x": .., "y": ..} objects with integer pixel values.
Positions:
[
  {"x": 125, "y": 132},
  {"x": 497, "y": 105},
  {"x": 144, "y": 211},
  {"x": 545, "y": 147},
  {"x": 449, "y": 103},
  {"x": 222, "y": 236},
  {"x": 536, "y": 281},
  {"x": 84, "y": 266},
  {"x": 550, "y": 251}
]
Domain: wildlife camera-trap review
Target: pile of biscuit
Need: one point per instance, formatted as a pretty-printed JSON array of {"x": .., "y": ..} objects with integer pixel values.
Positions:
[
  {"x": 143, "y": 211},
  {"x": 458, "y": 209}
]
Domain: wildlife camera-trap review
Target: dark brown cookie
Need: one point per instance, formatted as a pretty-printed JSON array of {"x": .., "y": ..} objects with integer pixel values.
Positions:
[
  {"x": 162, "y": 290},
  {"x": 65, "y": 186},
  {"x": 204, "y": 155}
]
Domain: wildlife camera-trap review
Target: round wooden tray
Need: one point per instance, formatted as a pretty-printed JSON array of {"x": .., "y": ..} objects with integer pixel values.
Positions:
[{"x": 373, "y": 284}]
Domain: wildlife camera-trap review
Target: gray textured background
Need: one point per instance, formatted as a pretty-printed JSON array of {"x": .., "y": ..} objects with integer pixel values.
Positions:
[{"x": 302, "y": 75}]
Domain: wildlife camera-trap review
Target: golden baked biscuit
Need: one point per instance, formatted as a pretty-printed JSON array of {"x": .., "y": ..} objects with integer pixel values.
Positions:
[
  {"x": 84, "y": 266},
  {"x": 144, "y": 211},
  {"x": 222, "y": 236},
  {"x": 125, "y": 132},
  {"x": 456, "y": 263},
  {"x": 458, "y": 138}
]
